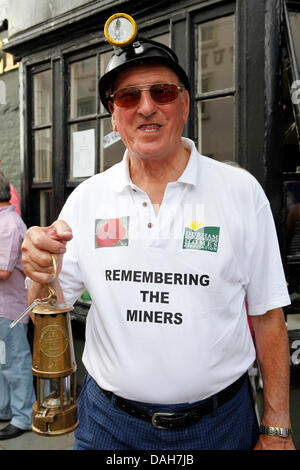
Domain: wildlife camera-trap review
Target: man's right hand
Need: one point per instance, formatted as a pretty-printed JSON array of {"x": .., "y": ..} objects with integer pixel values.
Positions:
[{"x": 38, "y": 246}]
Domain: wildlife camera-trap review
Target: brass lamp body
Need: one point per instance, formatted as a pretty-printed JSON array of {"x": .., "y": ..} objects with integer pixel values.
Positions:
[{"x": 53, "y": 364}]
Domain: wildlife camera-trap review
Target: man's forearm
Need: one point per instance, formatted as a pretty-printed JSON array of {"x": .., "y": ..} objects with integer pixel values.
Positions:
[
  {"x": 4, "y": 275},
  {"x": 272, "y": 349},
  {"x": 37, "y": 291}
]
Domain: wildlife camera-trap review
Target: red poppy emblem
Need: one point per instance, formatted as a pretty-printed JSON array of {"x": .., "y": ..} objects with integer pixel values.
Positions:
[{"x": 111, "y": 233}]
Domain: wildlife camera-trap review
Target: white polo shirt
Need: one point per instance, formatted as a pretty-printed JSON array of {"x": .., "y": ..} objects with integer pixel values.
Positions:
[{"x": 168, "y": 322}]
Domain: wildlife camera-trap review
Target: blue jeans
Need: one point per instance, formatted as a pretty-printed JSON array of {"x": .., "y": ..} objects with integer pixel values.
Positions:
[
  {"x": 103, "y": 426},
  {"x": 17, "y": 393}
]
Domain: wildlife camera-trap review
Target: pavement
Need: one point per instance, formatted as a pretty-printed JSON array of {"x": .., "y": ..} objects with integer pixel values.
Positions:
[{"x": 31, "y": 441}]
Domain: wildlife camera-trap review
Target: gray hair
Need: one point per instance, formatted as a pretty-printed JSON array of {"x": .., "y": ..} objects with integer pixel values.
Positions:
[{"x": 5, "y": 194}]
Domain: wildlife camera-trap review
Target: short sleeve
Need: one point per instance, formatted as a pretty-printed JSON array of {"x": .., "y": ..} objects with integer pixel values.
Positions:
[
  {"x": 70, "y": 277},
  {"x": 9, "y": 247},
  {"x": 267, "y": 287}
]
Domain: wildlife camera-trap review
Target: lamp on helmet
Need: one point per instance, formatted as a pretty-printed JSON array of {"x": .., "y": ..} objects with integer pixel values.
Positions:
[{"x": 130, "y": 51}]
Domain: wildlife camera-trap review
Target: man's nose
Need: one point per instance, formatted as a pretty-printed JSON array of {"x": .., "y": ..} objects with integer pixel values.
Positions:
[{"x": 146, "y": 104}]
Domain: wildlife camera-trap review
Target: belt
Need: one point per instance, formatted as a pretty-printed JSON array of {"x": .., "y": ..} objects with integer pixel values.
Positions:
[{"x": 184, "y": 417}]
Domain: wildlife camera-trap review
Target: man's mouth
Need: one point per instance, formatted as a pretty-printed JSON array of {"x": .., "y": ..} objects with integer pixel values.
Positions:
[{"x": 149, "y": 127}]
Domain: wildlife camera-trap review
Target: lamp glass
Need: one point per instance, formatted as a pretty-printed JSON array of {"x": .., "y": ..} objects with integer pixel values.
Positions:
[
  {"x": 50, "y": 392},
  {"x": 120, "y": 29}
]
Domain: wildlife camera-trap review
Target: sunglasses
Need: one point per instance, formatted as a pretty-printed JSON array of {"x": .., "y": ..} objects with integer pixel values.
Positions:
[{"x": 161, "y": 93}]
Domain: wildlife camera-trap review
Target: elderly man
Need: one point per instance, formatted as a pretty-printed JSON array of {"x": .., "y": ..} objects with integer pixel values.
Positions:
[
  {"x": 169, "y": 244},
  {"x": 16, "y": 384}
]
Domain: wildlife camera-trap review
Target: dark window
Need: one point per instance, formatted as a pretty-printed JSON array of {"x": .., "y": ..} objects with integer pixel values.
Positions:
[
  {"x": 291, "y": 141},
  {"x": 40, "y": 143},
  {"x": 215, "y": 89}
]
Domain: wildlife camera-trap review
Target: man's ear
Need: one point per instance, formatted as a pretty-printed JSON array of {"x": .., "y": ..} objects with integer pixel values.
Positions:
[
  {"x": 113, "y": 121},
  {"x": 110, "y": 107},
  {"x": 186, "y": 105}
]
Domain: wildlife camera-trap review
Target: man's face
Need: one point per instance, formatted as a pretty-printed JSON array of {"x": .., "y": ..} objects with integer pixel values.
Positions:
[{"x": 150, "y": 130}]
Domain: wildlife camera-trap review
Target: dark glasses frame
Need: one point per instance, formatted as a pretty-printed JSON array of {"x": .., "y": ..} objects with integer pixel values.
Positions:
[{"x": 117, "y": 99}]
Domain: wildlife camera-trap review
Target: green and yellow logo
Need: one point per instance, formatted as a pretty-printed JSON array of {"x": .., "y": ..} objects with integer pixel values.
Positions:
[{"x": 198, "y": 237}]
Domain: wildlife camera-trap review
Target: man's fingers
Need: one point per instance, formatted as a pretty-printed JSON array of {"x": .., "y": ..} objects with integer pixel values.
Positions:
[
  {"x": 37, "y": 257},
  {"x": 40, "y": 238},
  {"x": 60, "y": 230},
  {"x": 39, "y": 266},
  {"x": 40, "y": 277},
  {"x": 39, "y": 244}
]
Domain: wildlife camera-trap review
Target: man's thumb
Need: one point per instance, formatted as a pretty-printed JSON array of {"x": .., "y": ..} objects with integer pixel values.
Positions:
[{"x": 60, "y": 230}]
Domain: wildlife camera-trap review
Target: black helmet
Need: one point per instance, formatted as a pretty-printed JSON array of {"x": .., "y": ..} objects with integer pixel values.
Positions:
[{"x": 140, "y": 51}]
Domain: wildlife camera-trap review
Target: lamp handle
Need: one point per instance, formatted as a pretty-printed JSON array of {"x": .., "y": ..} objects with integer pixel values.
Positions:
[{"x": 51, "y": 299}]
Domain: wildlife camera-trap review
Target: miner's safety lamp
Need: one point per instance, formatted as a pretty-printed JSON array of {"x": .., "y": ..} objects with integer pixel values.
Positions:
[{"x": 54, "y": 366}]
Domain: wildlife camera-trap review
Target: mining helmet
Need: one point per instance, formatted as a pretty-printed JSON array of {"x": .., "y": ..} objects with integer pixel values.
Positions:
[{"x": 121, "y": 32}]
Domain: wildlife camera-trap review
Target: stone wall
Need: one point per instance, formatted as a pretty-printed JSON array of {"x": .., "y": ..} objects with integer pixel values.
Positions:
[{"x": 10, "y": 124}]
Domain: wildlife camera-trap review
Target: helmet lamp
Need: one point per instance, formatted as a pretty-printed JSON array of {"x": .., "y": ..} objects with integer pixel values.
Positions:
[{"x": 120, "y": 30}]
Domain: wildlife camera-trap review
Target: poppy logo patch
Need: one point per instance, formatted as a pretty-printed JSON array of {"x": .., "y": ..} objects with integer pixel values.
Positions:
[{"x": 111, "y": 232}]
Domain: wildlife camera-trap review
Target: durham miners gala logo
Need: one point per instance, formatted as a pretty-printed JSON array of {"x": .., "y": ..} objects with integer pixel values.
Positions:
[
  {"x": 198, "y": 237},
  {"x": 111, "y": 232}
]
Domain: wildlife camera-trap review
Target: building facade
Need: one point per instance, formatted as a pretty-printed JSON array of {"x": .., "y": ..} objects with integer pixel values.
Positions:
[{"x": 9, "y": 108}]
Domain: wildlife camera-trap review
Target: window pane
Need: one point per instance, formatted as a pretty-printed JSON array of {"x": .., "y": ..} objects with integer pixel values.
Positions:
[
  {"x": 291, "y": 154},
  {"x": 292, "y": 194},
  {"x": 292, "y": 205},
  {"x": 42, "y": 155},
  {"x": 216, "y": 55},
  {"x": 112, "y": 148},
  {"x": 104, "y": 59},
  {"x": 82, "y": 149},
  {"x": 46, "y": 213},
  {"x": 163, "y": 38},
  {"x": 42, "y": 98},
  {"x": 83, "y": 88},
  {"x": 295, "y": 24},
  {"x": 216, "y": 128}
]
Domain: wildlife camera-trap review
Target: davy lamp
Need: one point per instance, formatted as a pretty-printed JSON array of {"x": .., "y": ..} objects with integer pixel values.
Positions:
[{"x": 53, "y": 365}]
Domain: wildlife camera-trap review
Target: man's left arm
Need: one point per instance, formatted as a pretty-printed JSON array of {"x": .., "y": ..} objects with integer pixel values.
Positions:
[
  {"x": 9, "y": 247},
  {"x": 4, "y": 275},
  {"x": 272, "y": 350}
]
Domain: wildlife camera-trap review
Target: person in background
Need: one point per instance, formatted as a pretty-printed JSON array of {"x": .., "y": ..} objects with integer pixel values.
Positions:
[
  {"x": 15, "y": 198},
  {"x": 16, "y": 382}
]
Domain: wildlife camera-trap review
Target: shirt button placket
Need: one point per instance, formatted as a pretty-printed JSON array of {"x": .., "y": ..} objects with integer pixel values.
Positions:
[{"x": 149, "y": 224}]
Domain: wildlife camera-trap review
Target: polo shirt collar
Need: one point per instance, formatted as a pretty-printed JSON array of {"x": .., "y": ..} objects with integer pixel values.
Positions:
[
  {"x": 122, "y": 176},
  {"x": 191, "y": 171},
  {"x": 189, "y": 175}
]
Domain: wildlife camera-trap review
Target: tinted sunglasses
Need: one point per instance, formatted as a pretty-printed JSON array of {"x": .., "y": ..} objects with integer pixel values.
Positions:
[{"x": 161, "y": 93}]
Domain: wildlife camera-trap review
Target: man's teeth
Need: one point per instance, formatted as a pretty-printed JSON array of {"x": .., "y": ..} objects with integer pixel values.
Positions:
[{"x": 150, "y": 128}]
